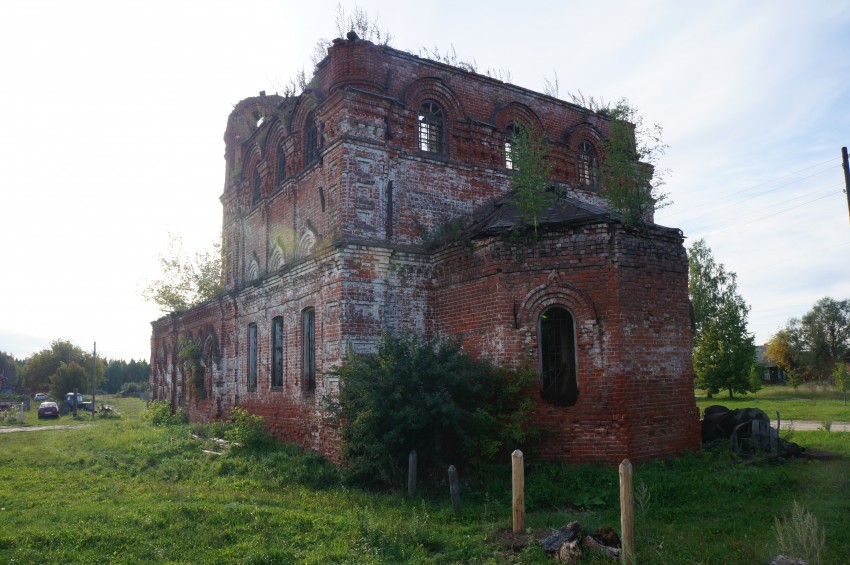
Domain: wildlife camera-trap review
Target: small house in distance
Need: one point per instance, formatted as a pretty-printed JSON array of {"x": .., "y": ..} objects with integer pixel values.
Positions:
[{"x": 380, "y": 200}]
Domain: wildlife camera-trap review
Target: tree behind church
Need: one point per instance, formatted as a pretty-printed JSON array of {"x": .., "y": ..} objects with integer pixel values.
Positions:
[{"x": 724, "y": 350}]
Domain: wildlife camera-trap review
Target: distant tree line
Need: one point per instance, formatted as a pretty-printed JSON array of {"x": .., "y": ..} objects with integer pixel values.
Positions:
[{"x": 65, "y": 366}]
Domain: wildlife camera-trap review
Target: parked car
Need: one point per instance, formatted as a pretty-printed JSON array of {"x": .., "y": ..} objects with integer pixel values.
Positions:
[
  {"x": 40, "y": 396},
  {"x": 48, "y": 410}
]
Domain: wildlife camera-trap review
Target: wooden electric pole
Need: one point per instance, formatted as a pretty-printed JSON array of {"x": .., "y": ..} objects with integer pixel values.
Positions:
[
  {"x": 846, "y": 168},
  {"x": 94, "y": 380}
]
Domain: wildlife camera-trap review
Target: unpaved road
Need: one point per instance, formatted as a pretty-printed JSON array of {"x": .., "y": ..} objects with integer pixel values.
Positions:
[
  {"x": 809, "y": 425},
  {"x": 40, "y": 428},
  {"x": 801, "y": 425}
]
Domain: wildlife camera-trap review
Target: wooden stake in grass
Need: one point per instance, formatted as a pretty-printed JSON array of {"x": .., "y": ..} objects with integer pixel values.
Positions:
[
  {"x": 454, "y": 491},
  {"x": 518, "y": 481},
  {"x": 627, "y": 517},
  {"x": 411, "y": 473}
]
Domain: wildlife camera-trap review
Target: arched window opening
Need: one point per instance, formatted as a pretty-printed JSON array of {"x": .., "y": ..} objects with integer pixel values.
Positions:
[
  {"x": 432, "y": 127},
  {"x": 277, "y": 352},
  {"x": 256, "y": 192},
  {"x": 311, "y": 139},
  {"x": 281, "y": 164},
  {"x": 557, "y": 350},
  {"x": 308, "y": 351},
  {"x": 510, "y": 134},
  {"x": 588, "y": 164},
  {"x": 252, "y": 356}
]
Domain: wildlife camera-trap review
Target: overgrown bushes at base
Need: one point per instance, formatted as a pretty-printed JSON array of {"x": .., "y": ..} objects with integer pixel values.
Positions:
[
  {"x": 246, "y": 429},
  {"x": 432, "y": 397},
  {"x": 159, "y": 413}
]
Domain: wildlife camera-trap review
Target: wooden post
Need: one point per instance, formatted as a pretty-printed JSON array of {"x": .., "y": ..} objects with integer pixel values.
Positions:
[
  {"x": 627, "y": 516},
  {"x": 453, "y": 488},
  {"x": 518, "y": 481},
  {"x": 411, "y": 473}
]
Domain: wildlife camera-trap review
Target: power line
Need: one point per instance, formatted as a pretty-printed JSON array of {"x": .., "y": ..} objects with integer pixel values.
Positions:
[
  {"x": 739, "y": 201},
  {"x": 825, "y": 191},
  {"x": 808, "y": 253}
]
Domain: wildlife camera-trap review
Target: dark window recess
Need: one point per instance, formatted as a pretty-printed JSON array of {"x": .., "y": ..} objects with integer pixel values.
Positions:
[
  {"x": 256, "y": 192},
  {"x": 322, "y": 198},
  {"x": 311, "y": 139},
  {"x": 308, "y": 353},
  {"x": 432, "y": 128},
  {"x": 558, "y": 384},
  {"x": 277, "y": 352},
  {"x": 281, "y": 164},
  {"x": 588, "y": 165},
  {"x": 252, "y": 356}
]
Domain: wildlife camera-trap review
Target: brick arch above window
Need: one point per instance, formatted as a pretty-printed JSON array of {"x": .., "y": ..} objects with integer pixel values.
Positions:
[
  {"x": 556, "y": 292},
  {"x": 211, "y": 354},
  {"x": 432, "y": 91},
  {"x": 277, "y": 258},
  {"x": 585, "y": 145},
  {"x": 251, "y": 170},
  {"x": 306, "y": 126},
  {"x": 277, "y": 144},
  {"x": 514, "y": 112},
  {"x": 583, "y": 132},
  {"x": 252, "y": 271}
]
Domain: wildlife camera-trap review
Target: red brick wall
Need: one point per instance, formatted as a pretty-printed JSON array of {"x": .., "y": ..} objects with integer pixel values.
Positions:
[{"x": 361, "y": 236}]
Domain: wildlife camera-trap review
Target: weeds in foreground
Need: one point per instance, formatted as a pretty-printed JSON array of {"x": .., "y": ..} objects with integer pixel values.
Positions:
[
  {"x": 800, "y": 535},
  {"x": 642, "y": 496},
  {"x": 787, "y": 433}
]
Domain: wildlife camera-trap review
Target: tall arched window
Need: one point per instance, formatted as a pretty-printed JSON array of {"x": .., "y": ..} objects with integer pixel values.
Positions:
[
  {"x": 308, "y": 351},
  {"x": 588, "y": 164},
  {"x": 281, "y": 164},
  {"x": 557, "y": 350},
  {"x": 432, "y": 127},
  {"x": 311, "y": 139},
  {"x": 257, "y": 184},
  {"x": 252, "y": 356},
  {"x": 277, "y": 352},
  {"x": 510, "y": 134}
]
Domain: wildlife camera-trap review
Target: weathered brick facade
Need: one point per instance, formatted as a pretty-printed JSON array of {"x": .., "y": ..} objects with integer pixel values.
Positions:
[{"x": 349, "y": 212}]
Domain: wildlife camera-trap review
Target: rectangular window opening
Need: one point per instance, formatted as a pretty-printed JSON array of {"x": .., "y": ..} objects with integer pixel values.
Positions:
[{"x": 252, "y": 356}]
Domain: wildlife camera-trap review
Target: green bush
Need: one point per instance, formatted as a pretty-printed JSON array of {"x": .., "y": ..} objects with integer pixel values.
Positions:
[
  {"x": 246, "y": 429},
  {"x": 133, "y": 388},
  {"x": 159, "y": 413},
  {"x": 432, "y": 397},
  {"x": 9, "y": 416}
]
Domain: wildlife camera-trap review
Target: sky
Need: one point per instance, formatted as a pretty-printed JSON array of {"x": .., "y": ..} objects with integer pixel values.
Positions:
[{"x": 114, "y": 113}]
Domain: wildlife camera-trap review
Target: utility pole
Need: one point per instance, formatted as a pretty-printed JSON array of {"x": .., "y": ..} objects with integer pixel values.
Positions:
[
  {"x": 846, "y": 168},
  {"x": 94, "y": 380}
]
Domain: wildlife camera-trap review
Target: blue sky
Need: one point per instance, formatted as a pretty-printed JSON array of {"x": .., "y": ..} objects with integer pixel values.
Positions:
[{"x": 114, "y": 114}]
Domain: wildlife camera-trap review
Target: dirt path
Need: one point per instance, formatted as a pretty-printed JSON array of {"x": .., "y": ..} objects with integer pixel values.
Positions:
[
  {"x": 40, "y": 428},
  {"x": 810, "y": 425}
]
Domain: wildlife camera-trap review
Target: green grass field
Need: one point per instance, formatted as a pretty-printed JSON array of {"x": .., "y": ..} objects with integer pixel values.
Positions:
[
  {"x": 808, "y": 402},
  {"x": 122, "y": 491}
]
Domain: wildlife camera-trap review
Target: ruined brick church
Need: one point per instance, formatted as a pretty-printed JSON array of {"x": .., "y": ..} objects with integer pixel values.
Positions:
[{"x": 380, "y": 200}]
